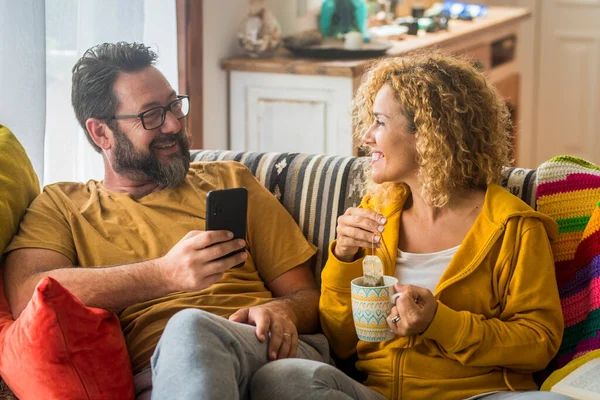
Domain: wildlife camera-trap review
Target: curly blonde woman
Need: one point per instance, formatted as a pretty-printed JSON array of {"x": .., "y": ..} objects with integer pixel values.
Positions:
[{"x": 479, "y": 310}]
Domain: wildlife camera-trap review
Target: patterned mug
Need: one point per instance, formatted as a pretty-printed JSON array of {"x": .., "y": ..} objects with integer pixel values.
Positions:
[{"x": 370, "y": 308}]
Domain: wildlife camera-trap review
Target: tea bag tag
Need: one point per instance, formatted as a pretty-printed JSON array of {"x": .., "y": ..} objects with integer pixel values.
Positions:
[{"x": 372, "y": 271}]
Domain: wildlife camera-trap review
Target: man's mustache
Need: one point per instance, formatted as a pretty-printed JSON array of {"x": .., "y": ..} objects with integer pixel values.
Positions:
[{"x": 168, "y": 138}]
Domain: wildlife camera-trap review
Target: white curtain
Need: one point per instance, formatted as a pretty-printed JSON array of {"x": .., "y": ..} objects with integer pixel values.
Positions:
[
  {"x": 73, "y": 26},
  {"x": 22, "y": 75}
]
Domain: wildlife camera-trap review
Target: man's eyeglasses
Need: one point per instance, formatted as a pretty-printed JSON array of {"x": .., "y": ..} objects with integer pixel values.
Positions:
[{"x": 155, "y": 117}]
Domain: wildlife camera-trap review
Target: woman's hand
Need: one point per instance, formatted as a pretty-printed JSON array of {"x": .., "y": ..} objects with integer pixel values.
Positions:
[
  {"x": 415, "y": 307},
  {"x": 357, "y": 228}
]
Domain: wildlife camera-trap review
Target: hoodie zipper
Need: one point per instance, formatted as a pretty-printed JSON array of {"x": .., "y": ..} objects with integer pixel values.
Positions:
[
  {"x": 398, "y": 379},
  {"x": 397, "y": 376},
  {"x": 398, "y": 357}
]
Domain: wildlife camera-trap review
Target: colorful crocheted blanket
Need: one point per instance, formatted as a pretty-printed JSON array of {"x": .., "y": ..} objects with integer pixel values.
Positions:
[{"x": 568, "y": 190}]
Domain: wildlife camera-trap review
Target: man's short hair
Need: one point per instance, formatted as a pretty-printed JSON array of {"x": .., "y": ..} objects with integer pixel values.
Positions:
[{"x": 95, "y": 73}]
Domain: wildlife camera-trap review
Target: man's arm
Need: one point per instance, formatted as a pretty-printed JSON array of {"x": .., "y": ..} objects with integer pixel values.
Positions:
[
  {"x": 294, "y": 310},
  {"x": 192, "y": 264},
  {"x": 297, "y": 292},
  {"x": 111, "y": 288}
]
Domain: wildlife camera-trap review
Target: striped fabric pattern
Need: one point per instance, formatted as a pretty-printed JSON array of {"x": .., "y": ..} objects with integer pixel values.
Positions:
[
  {"x": 568, "y": 190},
  {"x": 521, "y": 182},
  {"x": 316, "y": 189}
]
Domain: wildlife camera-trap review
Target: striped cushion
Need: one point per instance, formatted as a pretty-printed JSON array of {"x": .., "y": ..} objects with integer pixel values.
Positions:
[{"x": 316, "y": 189}]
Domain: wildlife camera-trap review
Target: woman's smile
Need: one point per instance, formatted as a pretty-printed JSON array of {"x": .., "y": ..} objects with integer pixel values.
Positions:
[{"x": 376, "y": 156}]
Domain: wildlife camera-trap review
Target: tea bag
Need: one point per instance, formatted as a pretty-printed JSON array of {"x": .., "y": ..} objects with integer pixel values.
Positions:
[
  {"x": 372, "y": 271},
  {"x": 372, "y": 267}
]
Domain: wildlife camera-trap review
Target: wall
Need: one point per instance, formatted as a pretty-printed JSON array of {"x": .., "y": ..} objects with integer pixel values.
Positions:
[
  {"x": 221, "y": 20},
  {"x": 22, "y": 82}
]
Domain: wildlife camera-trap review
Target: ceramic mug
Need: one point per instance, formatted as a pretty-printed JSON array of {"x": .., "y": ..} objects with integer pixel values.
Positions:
[{"x": 370, "y": 308}]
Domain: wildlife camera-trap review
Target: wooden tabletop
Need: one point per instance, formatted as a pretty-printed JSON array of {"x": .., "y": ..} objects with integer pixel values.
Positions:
[{"x": 285, "y": 62}]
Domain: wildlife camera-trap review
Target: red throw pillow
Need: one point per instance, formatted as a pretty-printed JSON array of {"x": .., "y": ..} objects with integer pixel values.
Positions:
[{"x": 60, "y": 349}]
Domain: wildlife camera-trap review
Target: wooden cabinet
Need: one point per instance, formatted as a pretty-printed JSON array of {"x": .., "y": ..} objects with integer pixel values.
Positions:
[
  {"x": 480, "y": 55},
  {"x": 300, "y": 105}
]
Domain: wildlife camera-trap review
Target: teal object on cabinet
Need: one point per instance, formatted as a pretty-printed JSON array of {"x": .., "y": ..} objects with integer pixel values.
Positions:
[{"x": 342, "y": 16}]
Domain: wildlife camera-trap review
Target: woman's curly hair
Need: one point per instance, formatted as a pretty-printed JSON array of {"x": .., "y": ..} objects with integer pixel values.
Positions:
[{"x": 462, "y": 126}]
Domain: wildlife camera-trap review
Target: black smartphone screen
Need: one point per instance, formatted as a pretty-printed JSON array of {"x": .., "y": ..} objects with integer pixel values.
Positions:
[{"x": 227, "y": 209}]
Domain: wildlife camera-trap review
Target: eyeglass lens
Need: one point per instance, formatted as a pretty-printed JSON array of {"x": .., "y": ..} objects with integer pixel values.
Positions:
[{"x": 156, "y": 117}]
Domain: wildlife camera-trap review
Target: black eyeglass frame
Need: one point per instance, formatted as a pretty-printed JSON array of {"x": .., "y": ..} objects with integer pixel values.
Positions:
[{"x": 163, "y": 116}]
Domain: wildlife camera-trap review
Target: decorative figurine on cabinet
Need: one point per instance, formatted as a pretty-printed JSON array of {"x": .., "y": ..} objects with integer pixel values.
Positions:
[
  {"x": 260, "y": 35},
  {"x": 339, "y": 17}
]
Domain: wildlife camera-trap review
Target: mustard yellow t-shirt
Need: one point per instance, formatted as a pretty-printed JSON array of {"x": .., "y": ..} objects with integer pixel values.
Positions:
[{"x": 95, "y": 227}]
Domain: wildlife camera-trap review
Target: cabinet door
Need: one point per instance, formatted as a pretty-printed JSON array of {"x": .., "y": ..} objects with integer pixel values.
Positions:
[
  {"x": 569, "y": 88},
  {"x": 292, "y": 120},
  {"x": 290, "y": 113}
]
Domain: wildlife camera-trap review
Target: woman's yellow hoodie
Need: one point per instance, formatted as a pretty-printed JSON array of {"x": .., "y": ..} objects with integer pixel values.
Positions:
[{"x": 498, "y": 317}]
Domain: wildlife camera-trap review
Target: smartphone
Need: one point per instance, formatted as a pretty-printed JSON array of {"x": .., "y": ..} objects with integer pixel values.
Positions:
[{"x": 227, "y": 210}]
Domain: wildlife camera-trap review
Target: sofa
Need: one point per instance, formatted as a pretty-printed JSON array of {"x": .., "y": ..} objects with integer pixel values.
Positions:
[{"x": 316, "y": 189}]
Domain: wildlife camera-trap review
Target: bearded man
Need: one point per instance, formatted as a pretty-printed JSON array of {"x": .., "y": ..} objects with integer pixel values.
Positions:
[{"x": 135, "y": 243}]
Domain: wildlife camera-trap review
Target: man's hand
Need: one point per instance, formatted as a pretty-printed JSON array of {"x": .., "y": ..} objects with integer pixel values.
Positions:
[
  {"x": 272, "y": 319},
  {"x": 194, "y": 264},
  {"x": 415, "y": 307}
]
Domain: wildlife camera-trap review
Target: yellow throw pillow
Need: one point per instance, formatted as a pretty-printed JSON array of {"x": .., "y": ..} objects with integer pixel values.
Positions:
[{"x": 19, "y": 185}]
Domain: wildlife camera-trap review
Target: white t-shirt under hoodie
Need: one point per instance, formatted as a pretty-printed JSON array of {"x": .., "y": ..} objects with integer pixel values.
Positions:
[{"x": 422, "y": 269}]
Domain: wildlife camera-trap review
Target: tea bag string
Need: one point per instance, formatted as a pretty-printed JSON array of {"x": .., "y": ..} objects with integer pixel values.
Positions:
[{"x": 375, "y": 234}]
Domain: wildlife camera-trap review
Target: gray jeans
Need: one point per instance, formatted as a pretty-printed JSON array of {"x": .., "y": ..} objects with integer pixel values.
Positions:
[
  {"x": 292, "y": 379},
  {"x": 204, "y": 356}
]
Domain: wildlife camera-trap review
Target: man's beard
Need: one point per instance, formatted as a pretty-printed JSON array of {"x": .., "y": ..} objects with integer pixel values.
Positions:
[{"x": 136, "y": 164}]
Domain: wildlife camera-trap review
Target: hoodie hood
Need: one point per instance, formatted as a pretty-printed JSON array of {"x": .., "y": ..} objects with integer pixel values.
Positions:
[
  {"x": 506, "y": 206},
  {"x": 499, "y": 206}
]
